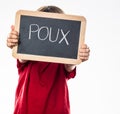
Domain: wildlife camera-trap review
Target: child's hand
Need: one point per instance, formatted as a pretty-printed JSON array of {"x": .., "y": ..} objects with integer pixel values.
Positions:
[
  {"x": 12, "y": 39},
  {"x": 84, "y": 52}
]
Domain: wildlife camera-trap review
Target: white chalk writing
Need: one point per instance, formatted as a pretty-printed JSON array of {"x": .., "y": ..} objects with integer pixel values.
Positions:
[{"x": 34, "y": 28}]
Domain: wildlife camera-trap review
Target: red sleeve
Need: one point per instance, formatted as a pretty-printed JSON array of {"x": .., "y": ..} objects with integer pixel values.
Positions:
[
  {"x": 71, "y": 74},
  {"x": 21, "y": 66}
]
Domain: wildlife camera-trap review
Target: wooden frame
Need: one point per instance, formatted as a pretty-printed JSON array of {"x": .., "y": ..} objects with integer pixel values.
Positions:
[{"x": 52, "y": 16}]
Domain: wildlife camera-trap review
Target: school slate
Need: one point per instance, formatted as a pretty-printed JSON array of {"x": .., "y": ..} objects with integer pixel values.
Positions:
[{"x": 49, "y": 37}]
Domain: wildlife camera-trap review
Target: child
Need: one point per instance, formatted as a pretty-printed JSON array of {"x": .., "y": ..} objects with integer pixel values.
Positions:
[{"x": 42, "y": 86}]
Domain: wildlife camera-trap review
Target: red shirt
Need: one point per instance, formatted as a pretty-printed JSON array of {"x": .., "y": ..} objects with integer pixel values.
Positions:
[{"x": 42, "y": 88}]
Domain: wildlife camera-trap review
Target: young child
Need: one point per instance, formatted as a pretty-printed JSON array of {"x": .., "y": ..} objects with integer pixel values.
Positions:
[{"x": 42, "y": 86}]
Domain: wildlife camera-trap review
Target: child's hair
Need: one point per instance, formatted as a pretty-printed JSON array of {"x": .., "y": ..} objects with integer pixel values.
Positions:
[{"x": 52, "y": 9}]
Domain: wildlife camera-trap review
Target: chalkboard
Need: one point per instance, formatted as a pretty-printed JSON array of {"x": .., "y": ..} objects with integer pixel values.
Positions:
[{"x": 49, "y": 37}]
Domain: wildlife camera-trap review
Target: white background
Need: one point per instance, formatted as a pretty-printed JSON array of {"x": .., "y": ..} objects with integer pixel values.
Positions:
[{"x": 96, "y": 88}]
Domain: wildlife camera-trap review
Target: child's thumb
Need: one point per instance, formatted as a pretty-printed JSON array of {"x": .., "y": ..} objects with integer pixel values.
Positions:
[{"x": 12, "y": 27}]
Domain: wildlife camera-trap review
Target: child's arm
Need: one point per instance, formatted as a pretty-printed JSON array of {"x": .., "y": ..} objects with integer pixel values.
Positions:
[
  {"x": 83, "y": 55},
  {"x": 69, "y": 67}
]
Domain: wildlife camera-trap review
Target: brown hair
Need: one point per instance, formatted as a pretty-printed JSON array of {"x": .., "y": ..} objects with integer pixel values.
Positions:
[{"x": 52, "y": 9}]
